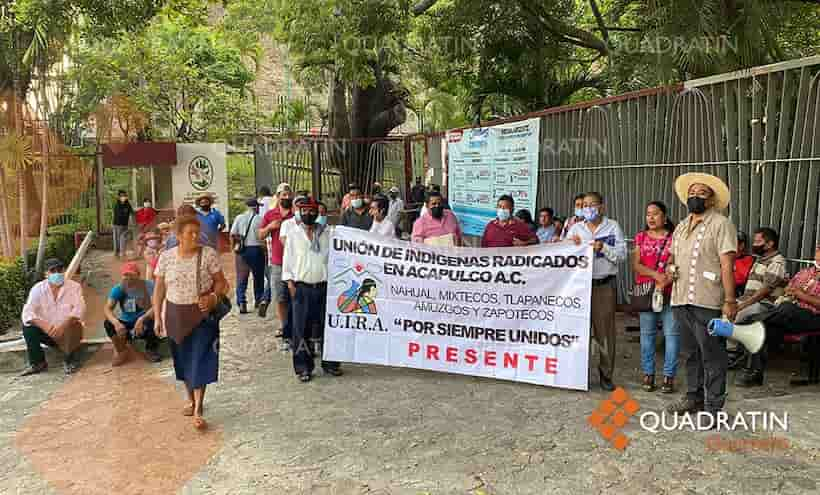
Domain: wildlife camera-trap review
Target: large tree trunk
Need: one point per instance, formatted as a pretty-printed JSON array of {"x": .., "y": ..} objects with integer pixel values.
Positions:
[{"x": 374, "y": 112}]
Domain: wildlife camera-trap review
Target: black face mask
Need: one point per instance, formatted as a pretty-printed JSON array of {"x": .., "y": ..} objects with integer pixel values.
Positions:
[
  {"x": 205, "y": 207},
  {"x": 759, "y": 250},
  {"x": 309, "y": 218},
  {"x": 286, "y": 203},
  {"x": 696, "y": 205},
  {"x": 437, "y": 211}
]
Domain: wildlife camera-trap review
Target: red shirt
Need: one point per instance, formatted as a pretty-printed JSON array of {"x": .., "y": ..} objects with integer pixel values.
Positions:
[
  {"x": 743, "y": 266},
  {"x": 146, "y": 216},
  {"x": 277, "y": 249},
  {"x": 807, "y": 281},
  {"x": 497, "y": 235}
]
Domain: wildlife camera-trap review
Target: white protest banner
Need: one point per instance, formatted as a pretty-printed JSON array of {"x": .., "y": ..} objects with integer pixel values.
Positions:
[
  {"x": 518, "y": 314},
  {"x": 201, "y": 169}
]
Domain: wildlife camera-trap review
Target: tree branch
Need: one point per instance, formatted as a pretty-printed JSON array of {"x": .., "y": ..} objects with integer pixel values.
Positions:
[
  {"x": 564, "y": 31},
  {"x": 600, "y": 19},
  {"x": 423, "y": 6}
]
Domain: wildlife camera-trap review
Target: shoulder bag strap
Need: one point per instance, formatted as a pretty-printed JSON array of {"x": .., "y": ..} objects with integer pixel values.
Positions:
[
  {"x": 250, "y": 222},
  {"x": 198, "y": 265}
]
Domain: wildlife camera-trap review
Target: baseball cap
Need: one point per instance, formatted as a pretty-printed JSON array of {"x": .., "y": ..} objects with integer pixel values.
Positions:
[
  {"x": 282, "y": 187},
  {"x": 53, "y": 264},
  {"x": 131, "y": 268},
  {"x": 394, "y": 189}
]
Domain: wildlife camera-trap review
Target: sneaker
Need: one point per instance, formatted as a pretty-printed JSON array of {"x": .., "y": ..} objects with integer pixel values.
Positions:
[
  {"x": 684, "y": 405},
  {"x": 749, "y": 378},
  {"x": 262, "y": 309},
  {"x": 35, "y": 369},
  {"x": 70, "y": 367}
]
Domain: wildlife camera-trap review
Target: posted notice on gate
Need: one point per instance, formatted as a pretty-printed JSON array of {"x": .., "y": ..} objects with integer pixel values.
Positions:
[{"x": 520, "y": 314}]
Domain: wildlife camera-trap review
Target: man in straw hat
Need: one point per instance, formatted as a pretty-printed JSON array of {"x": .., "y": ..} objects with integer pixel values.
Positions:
[
  {"x": 701, "y": 265},
  {"x": 53, "y": 316},
  {"x": 211, "y": 221}
]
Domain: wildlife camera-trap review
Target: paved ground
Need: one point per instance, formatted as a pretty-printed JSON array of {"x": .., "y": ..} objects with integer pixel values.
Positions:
[{"x": 375, "y": 430}]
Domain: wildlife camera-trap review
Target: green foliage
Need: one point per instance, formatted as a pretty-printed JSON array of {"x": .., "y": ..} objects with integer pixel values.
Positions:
[
  {"x": 15, "y": 283},
  {"x": 241, "y": 183},
  {"x": 189, "y": 81}
]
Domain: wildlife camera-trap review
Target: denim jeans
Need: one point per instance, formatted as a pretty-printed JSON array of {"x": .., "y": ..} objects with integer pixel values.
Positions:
[
  {"x": 649, "y": 329},
  {"x": 250, "y": 262}
]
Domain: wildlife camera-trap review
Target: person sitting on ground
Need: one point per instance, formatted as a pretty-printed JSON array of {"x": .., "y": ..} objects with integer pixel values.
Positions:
[
  {"x": 437, "y": 226},
  {"x": 797, "y": 311},
  {"x": 743, "y": 263},
  {"x": 357, "y": 216},
  {"x": 381, "y": 224},
  {"x": 53, "y": 316},
  {"x": 136, "y": 321},
  {"x": 507, "y": 230},
  {"x": 525, "y": 216},
  {"x": 764, "y": 285},
  {"x": 546, "y": 231}
]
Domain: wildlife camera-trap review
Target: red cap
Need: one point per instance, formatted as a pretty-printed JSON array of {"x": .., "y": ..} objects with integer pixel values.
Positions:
[{"x": 130, "y": 267}]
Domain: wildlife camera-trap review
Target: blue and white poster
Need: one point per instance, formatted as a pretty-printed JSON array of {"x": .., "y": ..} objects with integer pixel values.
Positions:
[{"x": 486, "y": 162}]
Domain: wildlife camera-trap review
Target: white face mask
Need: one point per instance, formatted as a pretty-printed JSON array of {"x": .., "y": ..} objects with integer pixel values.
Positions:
[
  {"x": 817, "y": 265},
  {"x": 147, "y": 204}
]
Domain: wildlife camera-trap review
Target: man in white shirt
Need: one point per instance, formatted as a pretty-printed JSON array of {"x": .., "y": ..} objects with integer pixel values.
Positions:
[
  {"x": 607, "y": 240},
  {"x": 381, "y": 224},
  {"x": 250, "y": 256},
  {"x": 53, "y": 316},
  {"x": 265, "y": 199},
  {"x": 304, "y": 269}
]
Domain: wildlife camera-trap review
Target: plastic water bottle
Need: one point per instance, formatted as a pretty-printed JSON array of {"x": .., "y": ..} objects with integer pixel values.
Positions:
[{"x": 657, "y": 301}]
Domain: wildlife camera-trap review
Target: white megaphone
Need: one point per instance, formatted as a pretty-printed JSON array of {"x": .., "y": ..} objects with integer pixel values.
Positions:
[{"x": 752, "y": 336}]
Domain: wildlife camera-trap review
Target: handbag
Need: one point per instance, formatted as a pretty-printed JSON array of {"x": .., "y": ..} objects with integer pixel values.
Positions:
[
  {"x": 640, "y": 299},
  {"x": 239, "y": 246},
  {"x": 223, "y": 304}
]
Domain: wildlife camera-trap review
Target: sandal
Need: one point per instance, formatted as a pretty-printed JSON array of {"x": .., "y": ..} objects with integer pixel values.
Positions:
[
  {"x": 200, "y": 423},
  {"x": 649, "y": 383},
  {"x": 188, "y": 410},
  {"x": 668, "y": 386}
]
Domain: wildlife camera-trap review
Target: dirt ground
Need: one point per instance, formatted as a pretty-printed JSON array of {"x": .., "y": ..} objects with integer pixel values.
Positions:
[{"x": 375, "y": 430}]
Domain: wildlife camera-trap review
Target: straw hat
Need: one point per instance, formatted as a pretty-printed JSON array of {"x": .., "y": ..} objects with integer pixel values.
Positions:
[{"x": 721, "y": 190}]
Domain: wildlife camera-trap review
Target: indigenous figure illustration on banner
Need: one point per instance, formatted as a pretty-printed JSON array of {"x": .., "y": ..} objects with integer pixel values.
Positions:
[{"x": 359, "y": 298}]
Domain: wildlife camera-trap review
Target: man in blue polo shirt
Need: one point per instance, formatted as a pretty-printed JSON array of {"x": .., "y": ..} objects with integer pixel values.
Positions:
[{"x": 211, "y": 220}]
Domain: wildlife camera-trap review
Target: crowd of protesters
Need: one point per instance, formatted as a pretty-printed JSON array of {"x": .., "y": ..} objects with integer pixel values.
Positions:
[{"x": 686, "y": 276}]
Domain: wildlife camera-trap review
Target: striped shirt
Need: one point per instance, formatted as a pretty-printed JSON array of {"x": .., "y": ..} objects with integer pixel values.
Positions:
[{"x": 767, "y": 272}]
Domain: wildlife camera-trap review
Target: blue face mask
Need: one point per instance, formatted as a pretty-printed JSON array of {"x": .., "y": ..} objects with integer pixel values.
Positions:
[
  {"x": 579, "y": 212},
  {"x": 57, "y": 279},
  {"x": 591, "y": 214},
  {"x": 322, "y": 220},
  {"x": 503, "y": 214}
]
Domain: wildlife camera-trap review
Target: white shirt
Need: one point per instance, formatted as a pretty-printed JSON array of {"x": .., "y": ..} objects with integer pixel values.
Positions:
[
  {"x": 267, "y": 203},
  {"x": 384, "y": 228},
  {"x": 302, "y": 264},
  {"x": 614, "y": 251},
  {"x": 42, "y": 305},
  {"x": 286, "y": 227},
  {"x": 240, "y": 226},
  {"x": 394, "y": 212}
]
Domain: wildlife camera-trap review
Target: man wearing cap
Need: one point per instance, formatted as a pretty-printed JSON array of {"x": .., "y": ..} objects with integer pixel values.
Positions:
[
  {"x": 53, "y": 316},
  {"x": 136, "y": 319},
  {"x": 304, "y": 269},
  {"x": 270, "y": 228},
  {"x": 250, "y": 256},
  {"x": 211, "y": 220},
  {"x": 701, "y": 266}
]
